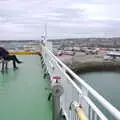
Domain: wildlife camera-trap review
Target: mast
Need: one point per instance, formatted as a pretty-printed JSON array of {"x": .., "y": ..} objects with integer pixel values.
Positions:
[
  {"x": 45, "y": 27},
  {"x": 44, "y": 35}
]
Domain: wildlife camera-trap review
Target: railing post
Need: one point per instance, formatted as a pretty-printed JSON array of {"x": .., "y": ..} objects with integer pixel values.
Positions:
[
  {"x": 57, "y": 91},
  {"x": 83, "y": 102}
]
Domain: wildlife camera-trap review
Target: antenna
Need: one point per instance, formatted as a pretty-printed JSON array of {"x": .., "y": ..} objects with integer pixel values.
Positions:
[
  {"x": 45, "y": 27},
  {"x": 44, "y": 35}
]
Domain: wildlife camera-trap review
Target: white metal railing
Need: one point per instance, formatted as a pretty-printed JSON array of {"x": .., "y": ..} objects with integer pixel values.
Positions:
[{"x": 75, "y": 89}]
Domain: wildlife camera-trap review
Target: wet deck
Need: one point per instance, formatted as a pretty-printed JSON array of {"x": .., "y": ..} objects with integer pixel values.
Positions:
[{"x": 23, "y": 94}]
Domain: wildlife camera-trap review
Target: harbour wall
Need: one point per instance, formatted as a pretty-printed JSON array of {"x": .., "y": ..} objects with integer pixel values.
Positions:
[{"x": 81, "y": 63}]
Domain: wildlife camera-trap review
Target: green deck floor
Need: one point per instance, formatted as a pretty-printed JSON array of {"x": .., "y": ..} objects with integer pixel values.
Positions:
[{"x": 23, "y": 94}]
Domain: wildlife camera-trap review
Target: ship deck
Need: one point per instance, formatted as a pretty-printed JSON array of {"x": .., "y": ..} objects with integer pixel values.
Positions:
[{"x": 24, "y": 92}]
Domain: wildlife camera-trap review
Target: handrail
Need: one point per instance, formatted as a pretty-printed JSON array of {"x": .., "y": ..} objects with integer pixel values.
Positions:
[
  {"x": 79, "y": 111},
  {"x": 99, "y": 113},
  {"x": 96, "y": 95},
  {"x": 87, "y": 99}
]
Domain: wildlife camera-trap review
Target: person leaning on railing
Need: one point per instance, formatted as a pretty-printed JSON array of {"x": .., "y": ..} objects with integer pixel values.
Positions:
[{"x": 8, "y": 57}]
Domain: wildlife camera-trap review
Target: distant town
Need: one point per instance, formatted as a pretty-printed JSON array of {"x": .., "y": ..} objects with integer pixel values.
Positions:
[
  {"x": 88, "y": 42},
  {"x": 113, "y": 42}
]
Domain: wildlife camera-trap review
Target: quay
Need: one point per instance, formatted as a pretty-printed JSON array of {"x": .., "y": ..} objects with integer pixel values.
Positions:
[{"x": 81, "y": 62}]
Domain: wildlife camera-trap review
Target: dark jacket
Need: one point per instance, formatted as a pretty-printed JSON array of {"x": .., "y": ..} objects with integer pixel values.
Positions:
[{"x": 3, "y": 52}]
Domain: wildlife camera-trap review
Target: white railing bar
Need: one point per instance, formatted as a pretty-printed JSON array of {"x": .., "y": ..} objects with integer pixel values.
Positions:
[
  {"x": 95, "y": 116},
  {"x": 98, "y": 97},
  {"x": 95, "y": 108},
  {"x": 64, "y": 113},
  {"x": 70, "y": 80},
  {"x": 91, "y": 112}
]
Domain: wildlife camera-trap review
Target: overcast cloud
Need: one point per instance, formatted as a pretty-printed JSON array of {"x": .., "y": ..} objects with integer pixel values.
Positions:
[{"x": 25, "y": 19}]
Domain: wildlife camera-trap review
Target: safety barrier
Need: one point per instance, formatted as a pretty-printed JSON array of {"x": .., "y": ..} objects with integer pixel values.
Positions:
[{"x": 75, "y": 89}]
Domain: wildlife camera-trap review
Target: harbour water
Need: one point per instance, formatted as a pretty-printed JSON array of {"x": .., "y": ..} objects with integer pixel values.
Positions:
[{"x": 107, "y": 84}]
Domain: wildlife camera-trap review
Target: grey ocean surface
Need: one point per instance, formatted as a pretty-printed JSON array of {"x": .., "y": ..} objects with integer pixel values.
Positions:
[{"x": 106, "y": 83}]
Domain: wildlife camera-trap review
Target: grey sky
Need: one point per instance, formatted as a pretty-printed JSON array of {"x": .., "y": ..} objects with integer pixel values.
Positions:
[{"x": 24, "y": 19}]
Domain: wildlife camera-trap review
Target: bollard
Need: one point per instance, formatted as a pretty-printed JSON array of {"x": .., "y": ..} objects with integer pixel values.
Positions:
[{"x": 57, "y": 91}]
